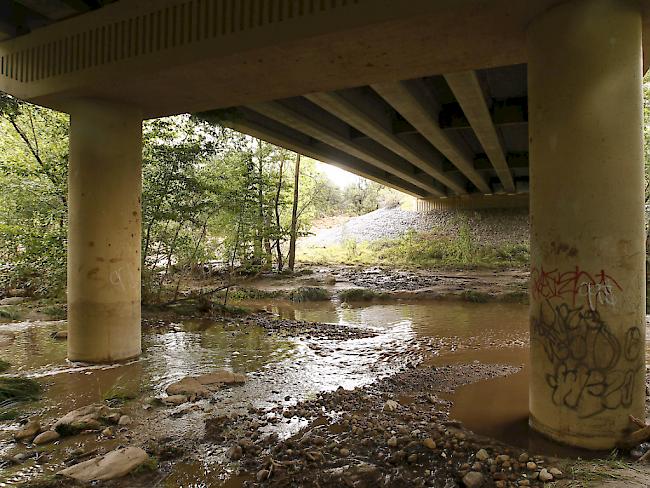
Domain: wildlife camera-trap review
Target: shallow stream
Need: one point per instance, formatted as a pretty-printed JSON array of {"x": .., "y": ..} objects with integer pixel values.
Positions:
[{"x": 283, "y": 371}]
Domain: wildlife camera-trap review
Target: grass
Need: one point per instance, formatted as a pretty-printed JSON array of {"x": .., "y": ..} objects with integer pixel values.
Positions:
[
  {"x": 426, "y": 249},
  {"x": 119, "y": 393},
  {"x": 57, "y": 311},
  {"x": 252, "y": 294},
  {"x": 4, "y": 365},
  {"x": 11, "y": 414},
  {"x": 19, "y": 389},
  {"x": 360, "y": 295},
  {"x": 476, "y": 296},
  {"x": 8, "y": 314},
  {"x": 583, "y": 474},
  {"x": 309, "y": 294}
]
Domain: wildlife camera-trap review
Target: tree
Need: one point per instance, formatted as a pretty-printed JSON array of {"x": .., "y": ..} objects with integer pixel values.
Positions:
[{"x": 294, "y": 215}]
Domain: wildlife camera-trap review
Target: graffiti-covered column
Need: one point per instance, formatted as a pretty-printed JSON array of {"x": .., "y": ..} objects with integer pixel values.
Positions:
[
  {"x": 587, "y": 227},
  {"x": 104, "y": 188}
]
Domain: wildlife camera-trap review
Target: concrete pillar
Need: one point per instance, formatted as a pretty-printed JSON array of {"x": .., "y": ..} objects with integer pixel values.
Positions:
[
  {"x": 104, "y": 189},
  {"x": 587, "y": 310}
]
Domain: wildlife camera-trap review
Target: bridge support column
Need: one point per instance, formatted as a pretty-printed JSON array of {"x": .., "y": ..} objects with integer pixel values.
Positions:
[
  {"x": 587, "y": 309},
  {"x": 104, "y": 188}
]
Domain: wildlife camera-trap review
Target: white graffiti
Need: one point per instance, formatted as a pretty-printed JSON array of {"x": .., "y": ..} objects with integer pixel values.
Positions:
[{"x": 597, "y": 293}]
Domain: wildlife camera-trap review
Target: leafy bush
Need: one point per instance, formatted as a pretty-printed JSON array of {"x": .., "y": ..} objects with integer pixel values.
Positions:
[
  {"x": 309, "y": 294},
  {"x": 359, "y": 295},
  {"x": 19, "y": 389}
]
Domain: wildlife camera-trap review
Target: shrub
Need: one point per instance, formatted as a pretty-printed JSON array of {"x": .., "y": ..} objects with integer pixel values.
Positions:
[
  {"x": 309, "y": 294},
  {"x": 19, "y": 389}
]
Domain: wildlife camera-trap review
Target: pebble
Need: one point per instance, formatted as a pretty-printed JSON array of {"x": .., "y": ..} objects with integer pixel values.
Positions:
[
  {"x": 108, "y": 432},
  {"x": 262, "y": 475},
  {"x": 523, "y": 458},
  {"x": 556, "y": 472},
  {"x": 235, "y": 452},
  {"x": 124, "y": 420},
  {"x": 531, "y": 466},
  {"x": 390, "y": 405},
  {"x": 392, "y": 442},
  {"x": 482, "y": 455},
  {"x": 429, "y": 443},
  {"x": 473, "y": 480},
  {"x": 344, "y": 452},
  {"x": 545, "y": 476}
]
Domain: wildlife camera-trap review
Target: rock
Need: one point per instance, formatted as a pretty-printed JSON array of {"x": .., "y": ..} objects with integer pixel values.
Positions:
[
  {"x": 344, "y": 452},
  {"x": 556, "y": 472},
  {"x": 235, "y": 452},
  {"x": 412, "y": 458},
  {"x": 46, "y": 437},
  {"x": 28, "y": 431},
  {"x": 89, "y": 417},
  {"x": 262, "y": 475},
  {"x": 392, "y": 442},
  {"x": 108, "y": 432},
  {"x": 221, "y": 377},
  {"x": 329, "y": 280},
  {"x": 114, "y": 464},
  {"x": 190, "y": 387},
  {"x": 429, "y": 443},
  {"x": 503, "y": 458},
  {"x": 523, "y": 458},
  {"x": 545, "y": 476},
  {"x": 473, "y": 479},
  {"x": 482, "y": 455},
  {"x": 60, "y": 334},
  {"x": 175, "y": 400},
  {"x": 390, "y": 405},
  {"x": 124, "y": 420},
  {"x": 12, "y": 300},
  {"x": 531, "y": 466}
]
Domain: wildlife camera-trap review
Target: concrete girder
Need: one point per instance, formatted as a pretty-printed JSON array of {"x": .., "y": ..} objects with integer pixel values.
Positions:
[
  {"x": 410, "y": 100},
  {"x": 468, "y": 91},
  {"x": 317, "y": 130},
  {"x": 272, "y": 131},
  {"x": 345, "y": 110}
]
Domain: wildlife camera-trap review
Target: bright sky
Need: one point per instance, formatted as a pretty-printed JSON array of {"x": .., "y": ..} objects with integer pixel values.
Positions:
[{"x": 339, "y": 177}]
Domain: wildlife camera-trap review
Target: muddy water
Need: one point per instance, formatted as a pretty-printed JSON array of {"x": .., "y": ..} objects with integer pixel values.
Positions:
[{"x": 283, "y": 370}]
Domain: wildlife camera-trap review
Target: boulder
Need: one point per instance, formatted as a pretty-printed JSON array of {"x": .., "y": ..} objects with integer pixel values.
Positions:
[
  {"x": 46, "y": 437},
  {"x": 90, "y": 417},
  {"x": 124, "y": 420},
  {"x": 189, "y": 387},
  {"x": 12, "y": 300},
  {"x": 175, "y": 400},
  {"x": 60, "y": 334},
  {"x": 221, "y": 377},
  {"x": 28, "y": 431},
  {"x": 112, "y": 465},
  {"x": 201, "y": 386}
]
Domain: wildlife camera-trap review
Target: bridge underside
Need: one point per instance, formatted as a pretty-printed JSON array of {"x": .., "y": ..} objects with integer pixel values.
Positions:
[{"x": 463, "y": 100}]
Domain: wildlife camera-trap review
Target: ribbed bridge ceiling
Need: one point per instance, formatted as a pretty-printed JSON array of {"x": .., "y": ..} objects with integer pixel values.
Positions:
[{"x": 439, "y": 136}]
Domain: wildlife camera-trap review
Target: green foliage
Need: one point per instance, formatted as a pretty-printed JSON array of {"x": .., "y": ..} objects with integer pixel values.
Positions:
[
  {"x": 10, "y": 414},
  {"x": 476, "y": 296},
  {"x": 120, "y": 392},
  {"x": 4, "y": 365},
  {"x": 18, "y": 389},
  {"x": 8, "y": 314},
  {"x": 359, "y": 295},
  {"x": 309, "y": 294},
  {"x": 253, "y": 294},
  {"x": 33, "y": 206}
]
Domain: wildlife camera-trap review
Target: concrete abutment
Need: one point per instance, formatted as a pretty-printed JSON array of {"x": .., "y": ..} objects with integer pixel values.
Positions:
[
  {"x": 587, "y": 311},
  {"x": 104, "y": 188}
]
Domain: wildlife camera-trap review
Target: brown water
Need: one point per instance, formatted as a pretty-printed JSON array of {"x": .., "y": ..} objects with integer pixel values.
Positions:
[{"x": 284, "y": 371}]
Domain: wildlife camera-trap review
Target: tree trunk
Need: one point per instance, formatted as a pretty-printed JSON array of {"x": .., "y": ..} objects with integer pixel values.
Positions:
[
  {"x": 294, "y": 216},
  {"x": 277, "y": 220}
]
